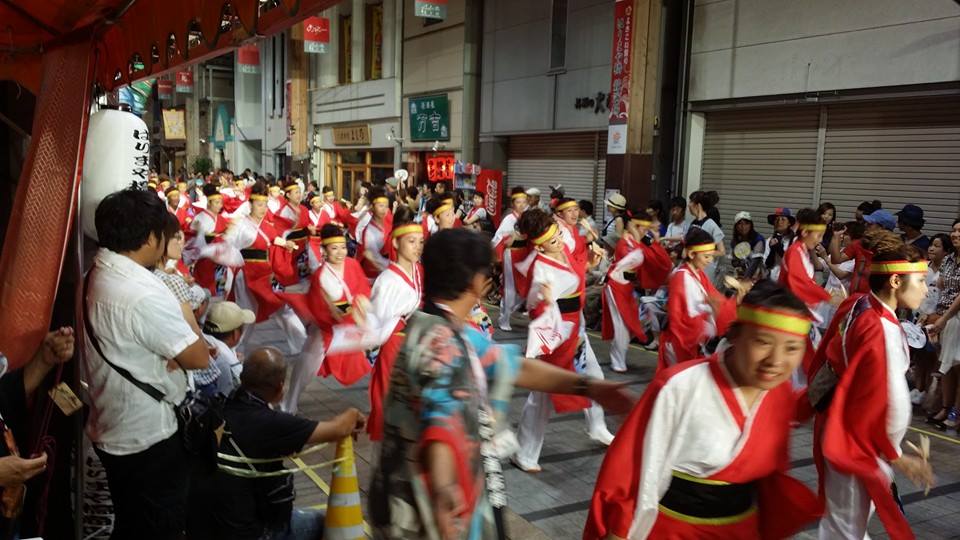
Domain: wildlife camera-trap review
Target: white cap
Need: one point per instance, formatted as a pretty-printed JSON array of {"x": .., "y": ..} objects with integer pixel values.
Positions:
[
  {"x": 226, "y": 317},
  {"x": 533, "y": 192},
  {"x": 742, "y": 215}
]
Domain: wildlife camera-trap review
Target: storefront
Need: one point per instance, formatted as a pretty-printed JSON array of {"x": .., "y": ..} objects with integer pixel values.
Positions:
[
  {"x": 575, "y": 160},
  {"x": 348, "y": 156}
]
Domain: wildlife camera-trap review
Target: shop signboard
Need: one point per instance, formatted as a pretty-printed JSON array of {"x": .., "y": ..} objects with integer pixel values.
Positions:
[
  {"x": 316, "y": 35},
  {"x": 429, "y": 118},
  {"x": 430, "y": 9},
  {"x": 620, "y": 77}
]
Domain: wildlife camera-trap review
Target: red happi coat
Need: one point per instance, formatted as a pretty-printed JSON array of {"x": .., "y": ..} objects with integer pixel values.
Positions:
[
  {"x": 290, "y": 222},
  {"x": 257, "y": 275},
  {"x": 233, "y": 198},
  {"x": 314, "y": 307},
  {"x": 395, "y": 297},
  {"x": 512, "y": 257},
  {"x": 691, "y": 321},
  {"x": 692, "y": 420},
  {"x": 566, "y": 281},
  {"x": 211, "y": 226},
  {"x": 185, "y": 215},
  {"x": 796, "y": 274},
  {"x": 651, "y": 264},
  {"x": 870, "y": 409}
]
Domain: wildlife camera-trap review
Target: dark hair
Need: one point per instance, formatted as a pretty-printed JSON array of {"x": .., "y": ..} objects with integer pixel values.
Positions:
[
  {"x": 411, "y": 192},
  {"x": 210, "y": 189},
  {"x": 126, "y": 219},
  {"x": 772, "y": 295},
  {"x": 264, "y": 372},
  {"x": 586, "y": 207},
  {"x": 706, "y": 199},
  {"x": 376, "y": 192},
  {"x": 869, "y": 207},
  {"x": 170, "y": 229},
  {"x": 752, "y": 237},
  {"x": 259, "y": 188},
  {"x": 809, "y": 216},
  {"x": 944, "y": 238},
  {"x": 516, "y": 190},
  {"x": 562, "y": 200},
  {"x": 433, "y": 203},
  {"x": 678, "y": 202},
  {"x": 855, "y": 230},
  {"x": 403, "y": 216},
  {"x": 326, "y": 189},
  {"x": 534, "y": 222},
  {"x": 449, "y": 196},
  {"x": 451, "y": 259},
  {"x": 887, "y": 246},
  {"x": 696, "y": 236},
  {"x": 658, "y": 210},
  {"x": 330, "y": 230},
  {"x": 824, "y": 206}
]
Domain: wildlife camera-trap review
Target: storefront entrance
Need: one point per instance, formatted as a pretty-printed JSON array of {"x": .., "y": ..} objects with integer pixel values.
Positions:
[{"x": 347, "y": 169}]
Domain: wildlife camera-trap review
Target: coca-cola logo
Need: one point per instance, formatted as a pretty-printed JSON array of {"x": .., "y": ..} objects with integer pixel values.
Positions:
[{"x": 492, "y": 196}]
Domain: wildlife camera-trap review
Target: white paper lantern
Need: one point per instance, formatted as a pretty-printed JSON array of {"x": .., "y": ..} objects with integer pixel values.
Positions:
[{"x": 117, "y": 154}]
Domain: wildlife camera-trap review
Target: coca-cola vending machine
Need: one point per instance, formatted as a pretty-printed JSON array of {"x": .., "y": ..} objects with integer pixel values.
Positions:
[{"x": 490, "y": 182}]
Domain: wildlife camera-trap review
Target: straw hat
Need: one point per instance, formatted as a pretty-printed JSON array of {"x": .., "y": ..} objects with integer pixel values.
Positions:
[{"x": 617, "y": 201}]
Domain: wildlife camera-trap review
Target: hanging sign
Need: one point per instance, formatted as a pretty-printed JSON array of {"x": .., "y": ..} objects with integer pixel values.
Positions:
[
  {"x": 440, "y": 167},
  {"x": 430, "y": 9},
  {"x": 165, "y": 89},
  {"x": 430, "y": 118},
  {"x": 248, "y": 59},
  {"x": 184, "y": 82},
  {"x": 316, "y": 34},
  {"x": 620, "y": 77}
]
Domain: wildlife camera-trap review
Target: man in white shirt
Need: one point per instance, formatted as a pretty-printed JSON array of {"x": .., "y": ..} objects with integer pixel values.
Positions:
[{"x": 136, "y": 324}]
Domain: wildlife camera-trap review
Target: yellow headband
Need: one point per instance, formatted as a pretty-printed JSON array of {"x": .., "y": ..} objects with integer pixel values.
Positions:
[
  {"x": 152, "y": 185},
  {"x": 334, "y": 240},
  {"x": 384, "y": 200},
  {"x": 314, "y": 198},
  {"x": 642, "y": 222},
  {"x": 563, "y": 206},
  {"x": 518, "y": 195},
  {"x": 214, "y": 197},
  {"x": 291, "y": 187},
  {"x": 275, "y": 189},
  {"x": 899, "y": 267},
  {"x": 258, "y": 197},
  {"x": 412, "y": 228},
  {"x": 701, "y": 248},
  {"x": 780, "y": 321},
  {"x": 442, "y": 209},
  {"x": 551, "y": 232},
  {"x": 173, "y": 192},
  {"x": 814, "y": 227}
]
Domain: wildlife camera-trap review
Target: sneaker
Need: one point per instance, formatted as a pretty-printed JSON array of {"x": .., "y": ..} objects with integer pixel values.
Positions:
[
  {"x": 604, "y": 437},
  {"x": 529, "y": 470},
  {"x": 916, "y": 396},
  {"x": 653, "y": 345},
  {"x": 952, "y": 419}
]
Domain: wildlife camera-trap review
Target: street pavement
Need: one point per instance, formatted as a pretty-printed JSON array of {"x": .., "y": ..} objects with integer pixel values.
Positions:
[{"x": 553, "y": 504}]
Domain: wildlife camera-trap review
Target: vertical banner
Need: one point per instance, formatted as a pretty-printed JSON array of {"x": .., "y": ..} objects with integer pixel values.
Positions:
[
  {"x": 184, "y": 82},
  {"x": 248, "y": 59},
  {"x": 316, "y": 35},
  {"x": 165, "y": 89},
  {"x": 490, "y": 182},
  {"x": 620, "y": 77},
  {"x": 430, "y": 9}
]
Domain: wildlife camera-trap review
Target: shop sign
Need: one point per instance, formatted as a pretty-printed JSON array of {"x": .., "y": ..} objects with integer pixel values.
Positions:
[
  {"x": 248, "y": 59},
  {"x": 441, "y": 167},
  {"x": 430, "y": 118},
  {"x": 430, "y": 9},
  {"x": 165, "y": 89},
  {"x": 174, "y": 125},
  {"x": 351, "y": 135},
  {"x": 620, "y": 74},
  {"x": 316, "y": 35},
  {"x": 184, "y": 82}
]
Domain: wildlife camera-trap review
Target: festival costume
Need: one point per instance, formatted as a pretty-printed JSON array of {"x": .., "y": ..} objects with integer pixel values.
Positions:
[
  {"x": 373, "y": 241},
  {"x": 691, "y": 320},
  {"x": 692, "y": 462},
  {"x": 291, "y": 222},
  {"x": 208, "y": 228},
  {"x": 860, "y": 432},
  {"x": 796, "y": 274},
  {"x": 395, "y": 297},
  {"x": 320, "y": 357},
  {"x": 514, "y": 282}
]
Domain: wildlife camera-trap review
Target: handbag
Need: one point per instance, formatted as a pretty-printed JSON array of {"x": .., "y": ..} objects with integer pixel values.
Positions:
[{"x": 199, "y": 418}]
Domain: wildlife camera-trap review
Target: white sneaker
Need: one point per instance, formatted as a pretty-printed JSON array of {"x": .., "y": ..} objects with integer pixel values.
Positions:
[
  {"x": 603, "y": 437},
  {"x": 916, "y": 396},
  {"x": 529, "y": 470}
]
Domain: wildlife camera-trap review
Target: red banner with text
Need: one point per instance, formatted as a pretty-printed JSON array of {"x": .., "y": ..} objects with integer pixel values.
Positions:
[{"x": 620, "y": 76}]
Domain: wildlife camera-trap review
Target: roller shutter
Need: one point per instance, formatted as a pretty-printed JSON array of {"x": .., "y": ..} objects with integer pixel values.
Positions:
[
  {"x": 576, "y": 160},
  {"x": 760, "y": 159},
  {"x": 898, "y": 152}
]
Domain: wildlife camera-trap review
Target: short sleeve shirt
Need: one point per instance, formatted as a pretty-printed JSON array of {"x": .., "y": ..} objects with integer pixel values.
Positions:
[
  {"x": 176, "y": 284},
  {"x": 435, "y": 397},
  {"x": 949, "y": 283}
]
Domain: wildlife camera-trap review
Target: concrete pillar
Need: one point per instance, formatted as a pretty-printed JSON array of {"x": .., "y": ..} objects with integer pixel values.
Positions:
[
  {"x": 357, "y": 30},
  {"x": 390, "y": 31},
  {"x": 473, "y": 34},
  {"x": 193, "y": 117},
  {"x": 328, "y": 74}
]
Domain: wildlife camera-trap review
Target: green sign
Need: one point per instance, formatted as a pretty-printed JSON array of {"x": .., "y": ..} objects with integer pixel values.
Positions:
[
  {"x": 430, "y": 9},
  {"x": 430, "y": 118}
]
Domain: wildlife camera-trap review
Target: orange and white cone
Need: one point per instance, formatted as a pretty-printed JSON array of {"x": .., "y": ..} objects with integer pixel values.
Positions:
[{"x": 344, "y": 519}]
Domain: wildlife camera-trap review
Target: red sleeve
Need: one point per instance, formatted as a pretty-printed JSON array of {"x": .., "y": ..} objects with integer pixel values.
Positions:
[
  {"x": 727, "y": 313},
  {"x": 656, "y": 266},
  {"x": 793, "y": 277},
  {"x": 681, "y": 324}
]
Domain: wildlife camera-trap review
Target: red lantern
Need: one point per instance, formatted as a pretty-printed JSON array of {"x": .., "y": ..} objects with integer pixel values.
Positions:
[
  {"x": 440, "y": 167},
  {"x": 184, "y": 82},
  {"x": 316, "y": 34},
  {"x": 165, "y": 89},
  {"x": 248, "y": 59}
]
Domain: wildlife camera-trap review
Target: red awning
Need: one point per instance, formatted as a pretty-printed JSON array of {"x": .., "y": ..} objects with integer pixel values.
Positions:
[{"x": 160, "y": 34}]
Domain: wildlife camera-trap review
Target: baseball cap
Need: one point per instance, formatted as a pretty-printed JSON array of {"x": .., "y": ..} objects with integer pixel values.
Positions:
[
  {"x": 393, "y": 182},
  {"x": 533, "y": 192},
  {"x": 785, "y": 212},
  {"x": 882, "y": 218},
  {"x": 226, "y": 317},
  {"x": 912, "y": 215},
  {"x": 742, "y": 215}
]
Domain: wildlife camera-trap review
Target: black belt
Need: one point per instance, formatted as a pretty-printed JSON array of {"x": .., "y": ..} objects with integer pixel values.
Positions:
[
  {"x": 297, "y": 234},
  {"x": 630, "y": 276},
  {"x": 258, "y": 255},
  {"x": 569, "y": 305},
  {"x": 211, "y": 237},
  {"x": 343, "y": 307},
  {"x": 519, "y": 244},
  {"x": 695, "y": 500}
]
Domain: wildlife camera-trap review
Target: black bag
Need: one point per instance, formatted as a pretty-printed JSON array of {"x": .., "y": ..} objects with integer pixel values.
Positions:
[{"x": 199, "y": 418}]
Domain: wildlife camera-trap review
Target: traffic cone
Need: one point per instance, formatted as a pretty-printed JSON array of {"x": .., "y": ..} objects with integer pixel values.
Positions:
[{"x": 344, "y": 519}]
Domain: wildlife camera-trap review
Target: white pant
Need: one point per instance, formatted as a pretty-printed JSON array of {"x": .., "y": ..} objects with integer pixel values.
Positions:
[
  {"x": 304, "y": 370},
  {"x": 848, "y": 508},
  {"x": 621, "y": 335},
  {"x": 510, "y": 301},
  {"x": 538, "y": 408}
]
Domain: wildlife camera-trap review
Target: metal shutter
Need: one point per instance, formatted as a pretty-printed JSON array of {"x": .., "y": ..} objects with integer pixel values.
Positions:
[
  {"x": 576, "y": 160},
  {"x": 898, "y": 152},
  {"x": 758, "y": 160}
]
